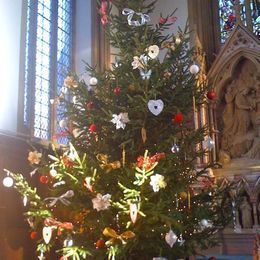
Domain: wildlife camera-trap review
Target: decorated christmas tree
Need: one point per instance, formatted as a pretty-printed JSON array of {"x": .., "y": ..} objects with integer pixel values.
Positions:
[{"x": 132, "y": 182}]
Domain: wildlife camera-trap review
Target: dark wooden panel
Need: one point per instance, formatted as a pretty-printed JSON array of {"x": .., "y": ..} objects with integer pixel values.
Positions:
[{"x": 15, "y": 242}]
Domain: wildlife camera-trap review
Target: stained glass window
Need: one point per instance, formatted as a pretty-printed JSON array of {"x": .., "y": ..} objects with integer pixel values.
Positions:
[
  {"x": 47, "y": 61},
  {"x": 228, "y": 19}
]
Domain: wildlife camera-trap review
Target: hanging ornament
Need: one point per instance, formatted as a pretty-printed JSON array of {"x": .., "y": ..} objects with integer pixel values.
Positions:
[
  {"x": 175, "y": 148},
  {"x": 204, "y": 223},
  {"x": 194, "y": 69},
  {"x": 145, "y": 74},
  {"x": 90, "y": 105},
  {"x": 25, "y": 200},
  {"x": 117, "y": 90},
  {"x": 153, "y": 51},
  {"x": 93, "y": 81},
  {"x": 69, "y": 82},
  {"x": 183, "y": 195},
  {"x": 44, "y": 179},
  {"x": 211, "y": 95},
  {"x": 162, "y": 20},
  {"x": 33, "y": 234},
  {"x": 133, "y": 212},
  {"x": 87, "y": 184},
  {"x": 92, "y": 128},
  {"x": 53, "y": 173},
  {"x": 178, "y": 118},
  {"x": 171, "y": 238},
  {"x": 30, "y": 222},
  {"x": 155, "y": 106},
  {"x": 208, "y": 143},
  {"x": 68, "y": 242},
  {"x": 100, "y": 243},
  {"x": 140, "y": 18},
  {"x": 143, "y": 134},
  {"x": 47, "y": 234},
  {"x": 177, "y": 40},
  {"x": 120, "y": 120},
  {"x": 41, "y": 256},
  {"x": 181, "y": 240},
  {"x": 77, "y": 132},
  {"x": 8, "y": 182},
  {"x": 63, "y": 123}
]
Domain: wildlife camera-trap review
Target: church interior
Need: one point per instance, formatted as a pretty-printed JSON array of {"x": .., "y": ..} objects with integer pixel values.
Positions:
[{"x": 45, "y": 40}]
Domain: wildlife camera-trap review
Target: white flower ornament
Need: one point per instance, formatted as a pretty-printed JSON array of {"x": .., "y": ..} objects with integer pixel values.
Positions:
[
  {"x": 157, "y": 182},
  {"x": 153, "y": 51},
  {"x": 101, "y": 202},
  {"x": 120, "y": 120}
]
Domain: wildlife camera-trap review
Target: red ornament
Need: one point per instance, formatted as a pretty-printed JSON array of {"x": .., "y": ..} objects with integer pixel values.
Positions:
[
  {"x": 211, "y": 95},
  {"x": 92, "y": 128},
  {"x": 117, "y": 90},
  {"x": 100, "y": 244},
  {"x": 178, "y": 118},
  {"x": 44, "y": 179},
  {"x": 162, "y": 20},
  {"x": 33, "y": 234},
  {"x": 90, "y": 105}
]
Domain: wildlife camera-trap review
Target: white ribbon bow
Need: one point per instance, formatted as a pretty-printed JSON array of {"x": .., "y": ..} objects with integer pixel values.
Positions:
[
  {"x": 63, "y": 198},
  {"x": 130, "y": 13}
]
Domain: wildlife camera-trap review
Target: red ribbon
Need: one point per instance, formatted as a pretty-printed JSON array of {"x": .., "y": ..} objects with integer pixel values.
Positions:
[{"x": 60, "y": 225}]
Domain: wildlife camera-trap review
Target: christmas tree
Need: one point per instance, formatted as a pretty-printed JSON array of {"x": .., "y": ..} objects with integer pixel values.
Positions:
[{"x": 131, "y": 184}]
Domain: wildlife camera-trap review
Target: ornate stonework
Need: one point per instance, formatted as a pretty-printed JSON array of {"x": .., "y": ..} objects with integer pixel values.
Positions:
[{"x": 235, "y": 76}]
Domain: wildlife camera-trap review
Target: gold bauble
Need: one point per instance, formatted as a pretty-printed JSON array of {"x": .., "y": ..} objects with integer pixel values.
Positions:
[{"x": 183, "y": 195}]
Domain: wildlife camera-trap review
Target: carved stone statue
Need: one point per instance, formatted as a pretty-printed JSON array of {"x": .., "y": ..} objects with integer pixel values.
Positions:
[
  {"x": 246, "y": 213},
  {"x": 240, "y": 116}
]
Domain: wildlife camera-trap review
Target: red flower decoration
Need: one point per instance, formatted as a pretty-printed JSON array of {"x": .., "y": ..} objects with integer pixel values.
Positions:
[
  {"x": 104, "y": 20},
  {"x": 103, "y": 12},
  {"x": 148, "y": 162},
  {"x": 162, "y": 20},
  {"x": 92, "y": 128},
  {"x": 178, "y": 118},
  {"x": 117, "y": 90},
  {"x": 67, "y": 161}
]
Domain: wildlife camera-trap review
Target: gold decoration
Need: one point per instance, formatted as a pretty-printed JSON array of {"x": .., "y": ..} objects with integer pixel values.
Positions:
[
  {"x": 105, "y": 165},
  {"x": 143, "y": 134},
  {"x": 123, "y": 156},
  {"x": 189, "y": 199},
  {"x": 109, "y": 232},
  {"x": 166, "y": 45},
  {"x": 131, "y": 87},
  {"x": 183, "y": 195}
]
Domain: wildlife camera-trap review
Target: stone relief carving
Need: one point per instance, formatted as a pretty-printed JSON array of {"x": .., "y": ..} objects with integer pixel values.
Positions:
[
  {"x": 241, "y": 114},
  {"x": 246, "y": 213}
]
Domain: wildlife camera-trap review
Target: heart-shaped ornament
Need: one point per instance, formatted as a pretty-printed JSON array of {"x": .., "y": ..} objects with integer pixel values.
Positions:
[
  {"x": 47, "y": 233},
  {"x": 155, "y": 106}
]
